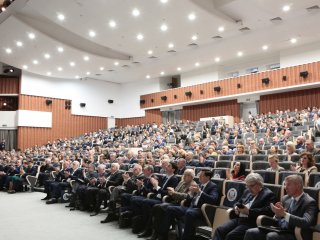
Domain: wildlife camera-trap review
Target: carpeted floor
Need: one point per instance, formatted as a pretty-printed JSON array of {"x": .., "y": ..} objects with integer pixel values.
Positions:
[{"x": 25, "y": 216}]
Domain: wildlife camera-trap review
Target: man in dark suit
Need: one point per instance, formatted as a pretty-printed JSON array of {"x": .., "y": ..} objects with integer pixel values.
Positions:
[
  {"x": 207, "y": 192},
  {"x": 128, "y": 186},
  {"x": 113, "y": 179},
  {"x": 159, "y": 190},
  {"x": 254, "y": 201},
  {"x": 297, "y": 209}
]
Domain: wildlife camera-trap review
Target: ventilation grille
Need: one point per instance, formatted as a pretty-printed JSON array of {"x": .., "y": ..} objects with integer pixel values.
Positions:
[
  {"x": 313, "y": 8},
  {"x": 276, "y": 20},
  {"x": 216, "y": 37},
  {"x": 244, "y": 29}
]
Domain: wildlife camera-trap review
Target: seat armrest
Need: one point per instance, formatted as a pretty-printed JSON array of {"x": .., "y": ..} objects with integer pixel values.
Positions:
[
  {"x": 166, "y": 199},
  {"x": 110, "y": 188},
  {"x": 264, "y": 220},
  {"x": 209, "y": 211},
  {"x": 298, "y": 231}
]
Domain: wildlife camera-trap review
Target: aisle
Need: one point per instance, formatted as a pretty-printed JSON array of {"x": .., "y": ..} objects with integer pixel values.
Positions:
[{"x": 25, "y": 216}]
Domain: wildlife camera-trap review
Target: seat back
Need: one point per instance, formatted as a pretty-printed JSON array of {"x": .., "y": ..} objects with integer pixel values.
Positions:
[
  {"x": 260, "y": 165},
  {"x": 276, "y": 189},
  {"x": 269, "y": 177},
  {"x": 242, "y": 157},
  {"x": 219, "y": 173},
  {"x": 223, "y": 164},
  {"x": 225, "y": 157},
  {"x": 259, "y": 158},
  {"x": 284, "y": 174},
  {"x": 314, "y": 180},
  {"x": 232, "y": 191}
]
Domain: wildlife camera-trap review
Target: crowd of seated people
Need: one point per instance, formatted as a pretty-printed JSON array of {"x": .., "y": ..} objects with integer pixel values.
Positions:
[{"x": 129, "y": 171}]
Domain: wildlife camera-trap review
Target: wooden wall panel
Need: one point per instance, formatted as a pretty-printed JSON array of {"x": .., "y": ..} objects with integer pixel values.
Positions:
[
  {"x": 151, "y": 116},
  {"x": 290, "y": 100},
  {"x": 9, "y": 85},
  {"x": 249, "y": 83},
  {"x": 64, "y": 124},
  {"x": 195, "y": 112}
]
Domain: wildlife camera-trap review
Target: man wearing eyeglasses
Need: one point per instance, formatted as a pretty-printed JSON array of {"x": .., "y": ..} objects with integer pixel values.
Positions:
[{"x": 254, "y": 201}]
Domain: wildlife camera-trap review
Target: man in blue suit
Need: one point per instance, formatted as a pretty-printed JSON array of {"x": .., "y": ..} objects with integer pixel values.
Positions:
[
  {"x": 254, "y": 201},
  {"x": 297, "y": 209},
  {"x": 207, "y": 192}
]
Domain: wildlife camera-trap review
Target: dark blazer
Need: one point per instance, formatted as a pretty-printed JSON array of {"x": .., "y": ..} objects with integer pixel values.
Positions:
[
  {"x": 115, "y": 179},
  {"x": 146, "y": 188},
  {"x": 172, "y": 182},
  {"x": 78, "y": 175},
  {"x": 260, "y": 206},
  {"x": 303, "y": 214},
  {"x": 209, "y": 195},
  {"x": 131, "y": 183}
]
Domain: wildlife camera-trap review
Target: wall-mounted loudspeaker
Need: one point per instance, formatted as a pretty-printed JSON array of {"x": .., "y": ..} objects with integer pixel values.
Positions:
[
  {"x": 152, "y": 100},
  {"x": 304, "y": 74},
  {"x": 284, "y": 78},
  {"x": 67, "y": 104},
  {"x": 238, "y": 85},
  {"x": 265, "y": 80},
  {"x": 188, "y": 94},
  {"x": 175, "y": 96},
  {"x": 217, "y": 89},
  {"x": 201, "y": 92},
  {"x": 110, "y": 101},
  {"x": 48, "y": 101},
  {"x": 142, "y": 101},
  {"x": 164, "y": 98},
  {"x": 82, "y": 104}
]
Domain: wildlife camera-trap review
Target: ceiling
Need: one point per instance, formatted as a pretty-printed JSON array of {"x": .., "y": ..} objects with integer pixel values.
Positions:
[{"x": 115, "y": 54}]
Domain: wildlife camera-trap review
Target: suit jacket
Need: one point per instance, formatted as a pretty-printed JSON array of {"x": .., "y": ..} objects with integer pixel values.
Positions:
[
  {"x": 209, "y": 195},
  {"x": 172, "y": 182},
  {"x": 303, "y": 214},
  {"x": 114, "y": 179},
  {"x": 260, "y": 206},
  {"x": 131, "y": 185}
]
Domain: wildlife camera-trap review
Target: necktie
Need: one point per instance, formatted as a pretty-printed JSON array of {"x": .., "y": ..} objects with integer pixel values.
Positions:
[
  {"x": 196, "y": 197},
  {"x": 283, "y": 223}
]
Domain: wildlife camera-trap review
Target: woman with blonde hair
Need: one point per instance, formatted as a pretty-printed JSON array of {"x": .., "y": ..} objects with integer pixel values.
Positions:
[
  {"x": 274, "y": 164},
  {"x": 290, "y": 149}
]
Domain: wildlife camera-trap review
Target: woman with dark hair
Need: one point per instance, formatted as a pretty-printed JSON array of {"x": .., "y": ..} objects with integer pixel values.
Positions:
[
  {"x": 238, "y": 172},
  {"x": 306, "y": 164}
]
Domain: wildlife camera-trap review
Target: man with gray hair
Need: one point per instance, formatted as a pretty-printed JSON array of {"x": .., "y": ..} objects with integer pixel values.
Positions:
[
  {"x": 254, "y": 201},
  {"x": 113, "y": 179},
  {"x": 297, "y": 209}
]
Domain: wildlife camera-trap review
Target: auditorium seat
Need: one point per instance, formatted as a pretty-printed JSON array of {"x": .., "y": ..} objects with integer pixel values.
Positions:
[
  {"x": 260, "y": 165},
  {"x": 219, "y": 173},
  {"x": 284, "y": 174},
  {"x": 223, "y": 164},
  {"x": 225, "y": 157},
  {"x": 242, "y": 157},
  {"x": 294, "y": 158},
  {"x": 268, "y": 176},
  {"x": 259, "y": 158},
  {"x": 314, "y": 180},
  {"x": 232, "y": 191}
]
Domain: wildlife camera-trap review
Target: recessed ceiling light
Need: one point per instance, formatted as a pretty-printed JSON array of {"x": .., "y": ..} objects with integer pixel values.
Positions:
[
  {"x": 164, "y": 27},
  {"x": 217, "y": 59},
  {"x": 60, "y": 69},
  {"x": 286, "y": 8},
  {"x": 25, "y": 67},
  {"x": 240, "y": 54},
  {"x": 179, "y": 68},
  {"x": 194, "y": 37},
  {"x": 8, "y": 50},
  {"x": 3, "y": 9},
  {"x": 148, "y": 76},
  {"x": 112, "y": 24},
  {"x": 140, "y": 36},
  {"x": 19, "y": 43},
  {"x": 46, "y": 56},
  {"x": 162, "y": 73},
  {"x": 31, "y": 36},
  {"x": 170, "y": 45},
  {"x": 92, "y": 33},
  {"x": 293, "y": 40},
  {"x": 150, "y": 52},
  {"x": 135, "y": 12},
  {"x": 164, "y": 1},
  {"x": 88, "y": 73},
  {"x": 49, "y": 73},
  {"x": 116, "y": 63},
  {"x": 192, "y": 16},
  {"x": 77, "y": 77},
  {"x": 265, "y": 47},
  {"x": 86, "y": 58},
  {"x": 197, "y": 64},
  {"x": 221, "y": 29},
  {"x": 61, "y": 17},
  {"x": 72, "y": 64},
  {"x": 101, "y": 68},
  {"x": 35, "y": 62},
  {"x": 60, "y": 49}
]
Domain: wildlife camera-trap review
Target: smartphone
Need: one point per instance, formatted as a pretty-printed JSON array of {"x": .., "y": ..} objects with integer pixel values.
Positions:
[{"x": 240, "y": 205}]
